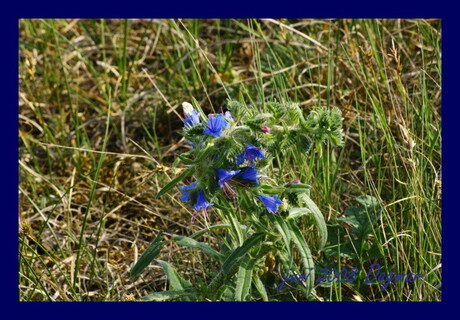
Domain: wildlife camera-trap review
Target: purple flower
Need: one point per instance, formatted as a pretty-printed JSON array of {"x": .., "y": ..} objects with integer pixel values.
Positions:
[
  {"x": 201, "y": 202},
  {"x": 192, "y": 119},
  {"x": 271, "y": 203},
  {"x": 223, "y": 176},
  {"x": 250, "y": 153},
  {"x": 215, "y": 125},
  {"x": 186, "y": 191},
  {"x": 296, "y": 181},
  {"x": 265, "y": 129}
]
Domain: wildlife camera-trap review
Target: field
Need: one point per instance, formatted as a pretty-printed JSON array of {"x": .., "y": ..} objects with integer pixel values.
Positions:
[{"x": 100, "y": 116}]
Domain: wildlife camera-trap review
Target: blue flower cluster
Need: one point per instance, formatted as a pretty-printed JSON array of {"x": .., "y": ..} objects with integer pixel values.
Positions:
[{"x": 245, "y": 176}]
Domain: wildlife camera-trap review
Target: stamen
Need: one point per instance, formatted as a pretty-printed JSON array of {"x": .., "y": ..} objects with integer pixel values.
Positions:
[
  {"x": 228, "y": 191},
  {"x": 225, "y": 192},
  {"x": 194, "y": 216}
]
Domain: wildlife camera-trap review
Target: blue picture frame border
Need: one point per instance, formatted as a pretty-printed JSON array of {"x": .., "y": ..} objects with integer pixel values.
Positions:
[{"x": 286, "y": 9}]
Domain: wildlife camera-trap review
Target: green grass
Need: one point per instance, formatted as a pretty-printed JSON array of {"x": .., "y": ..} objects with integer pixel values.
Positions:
[{"x": 99, "y": 106}]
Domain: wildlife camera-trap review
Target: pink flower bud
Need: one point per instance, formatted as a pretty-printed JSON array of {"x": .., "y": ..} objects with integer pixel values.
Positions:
[
  {"x": 296, "y": 181},
  {"x": 265, "y": 129}
]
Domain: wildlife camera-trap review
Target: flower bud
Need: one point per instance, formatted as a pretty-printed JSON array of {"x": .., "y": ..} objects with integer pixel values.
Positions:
[
  {"x": 188, "y": 108},
  {"x": 265, "y": 129}
]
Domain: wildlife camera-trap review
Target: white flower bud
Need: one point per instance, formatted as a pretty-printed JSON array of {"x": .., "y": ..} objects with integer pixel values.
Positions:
[{"x": 188, "y": 108}]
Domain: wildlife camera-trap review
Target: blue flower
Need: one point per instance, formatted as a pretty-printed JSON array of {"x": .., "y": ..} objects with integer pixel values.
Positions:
[
  {"x": 186, "y": 191},
  {"x": 193, "y": 118},
  {"x": 224, "y": 175},
  {"x": 250, "y": 174},
  {"x": 271, "y": 203},
  {"x": 201, "y": 202},
  {"x": 250, "y": 153},
  {"x": 215, "y": 125}
]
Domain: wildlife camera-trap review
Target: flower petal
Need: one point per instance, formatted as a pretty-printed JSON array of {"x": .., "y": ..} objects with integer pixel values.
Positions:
[
  {"x": 192, "y": 119},
  {"x": 224, "y": 175},
  {"x": 215, "y": 125},
  {"x": 186, "y": 190},
  {"x": 240, "y": 159},
  {"x": 271, "y": 203},
  {"x": 250, "y": 153},
  {"x": 250, "y": 174},
  {"x": 201, "y": 202}
]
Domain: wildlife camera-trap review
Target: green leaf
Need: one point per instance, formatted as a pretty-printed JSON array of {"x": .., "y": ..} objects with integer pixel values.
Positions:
[
  {"x": 192, "y": 243},
  {"x": 286, "y": 256},
  {"x": 232, "y": 264},
  {"x": 152, "y": 251},
  {"x": 336, "y": 243},
  {"x": 237, "y": 232},
  {"x": 241, "y": 251},
  {"x": 305, "y": 253},
  {"x": 244, "y": 279},
  {"x": 363, "y": 217},
  {"x": 260, "y": 287},
  {"x": 184, "y": 159},
  {"x": 188, "y": 172},
  {"x": 295, "y": 213},
  {"x": 175, "y": 281},
  {"x": 226, "y": 293},
  {"x": 368, "y": 201},
  {"x": 167, "y": 295},
  {"x": 318, "y": 216},
  {"x": 297, "y": 188},
  {"x": 281, "y": 226}
]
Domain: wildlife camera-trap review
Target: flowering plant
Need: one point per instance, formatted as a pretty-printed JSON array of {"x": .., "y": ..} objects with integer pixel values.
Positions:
[{"x": 231, "y": 173}]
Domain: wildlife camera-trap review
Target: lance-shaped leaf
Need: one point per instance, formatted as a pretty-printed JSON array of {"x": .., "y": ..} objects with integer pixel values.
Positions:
[
  {"x": 318, "y": 216},
  {"x": 151, "y": 253},
  {"x": 188, "y": 172},
  {"x": 192, "y": 243},
  {"x": 168, "y": 295},
  {"x": 241, "y": 251}
]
